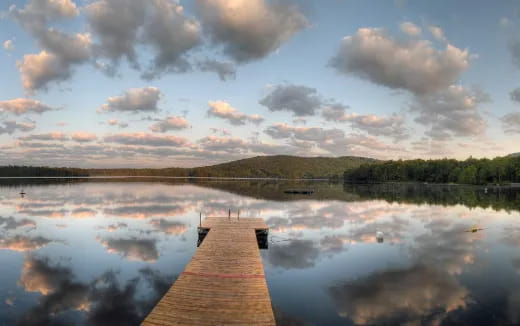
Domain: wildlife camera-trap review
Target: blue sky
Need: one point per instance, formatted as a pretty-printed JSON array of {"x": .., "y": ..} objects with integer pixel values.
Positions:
[{"x": 113, "y": 83}]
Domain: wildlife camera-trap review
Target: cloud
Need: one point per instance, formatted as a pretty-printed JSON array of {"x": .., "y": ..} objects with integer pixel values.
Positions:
[
  {"x": 57, "y": 135},
  {"x": 120, "y": 124},
  {"x": 410, "y": 29},
  {"x": 9, "y": 127},
  {"x": 300, "y": 100},
  {"x": 169, "y": 227},
  {"x": 282, "y": 130},
  {"x": 413, "y": 65},
  {"x": 170, "y": 123},
  {"x": 132, "y": 248},
  {"x": 224, "y": 70},
  {"x": 399, "y": 296},
  {"x": 451, "y": 112},
  {"x": 437, "y": 33},
  {"x": 9, "y": 45},
  {"x": 141, "y": 138},
  {"x": 23, "y": 243},
  {"x": 226, "y": 144},
  {"x": 515, "y": 95},
  {"x": 296, "y": 254},
  {"x": 61, "y": 51},
  {"x": 250, "y": 29},
  {"x": 10, "y": 223},
  {"x": 224, "y": 110},
  {"x": 172, "y": 35},
  {"x": 393, "y": 126},
  {"x": 159, "y": 24},
  {"x": 133, "y": 100},
  {"x": 83, "y": 137},
  {"x": 21, "y": 106},
  {"x": 511, "y": 123}
]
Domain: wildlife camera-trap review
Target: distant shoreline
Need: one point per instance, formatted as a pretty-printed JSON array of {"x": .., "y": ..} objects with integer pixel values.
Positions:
[{"x": 170, "y": 177}]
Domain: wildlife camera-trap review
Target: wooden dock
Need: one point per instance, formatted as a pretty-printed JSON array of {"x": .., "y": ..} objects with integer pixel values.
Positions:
[{"x": 223, "y": 284}]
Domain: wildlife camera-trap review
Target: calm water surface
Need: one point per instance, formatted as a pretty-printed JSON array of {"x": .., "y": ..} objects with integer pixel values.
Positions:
[{"x": 103, "y": 253}]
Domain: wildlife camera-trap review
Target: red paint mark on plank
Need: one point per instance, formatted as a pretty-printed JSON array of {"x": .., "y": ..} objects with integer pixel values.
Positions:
[{"x": 225, "y": 275}]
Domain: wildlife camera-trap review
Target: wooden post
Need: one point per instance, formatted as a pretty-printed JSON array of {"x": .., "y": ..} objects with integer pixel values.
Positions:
[
  {"x": 238, "y": 215},
  {"x": 200, "y": 219},
  {"x": 229, "y": 213}
]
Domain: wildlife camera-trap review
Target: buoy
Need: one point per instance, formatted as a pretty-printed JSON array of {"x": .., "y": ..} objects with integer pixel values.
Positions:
[{"x": 379, "y": 236}]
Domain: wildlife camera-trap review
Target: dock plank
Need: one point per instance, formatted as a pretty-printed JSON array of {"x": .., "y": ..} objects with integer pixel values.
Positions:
[{"x": 223, "y": 284}]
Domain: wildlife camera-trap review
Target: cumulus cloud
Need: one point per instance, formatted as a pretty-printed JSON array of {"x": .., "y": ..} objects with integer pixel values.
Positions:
[
  {"x": 120, "y": 124},
  {"x": 169, "y": 227},
  {"x": 224, "y": 110},
  {"x": 159, "y": 24},
  {"x": 23, "y": 243},
  {"x": 10, "y": 223},
  {"x": 133, "y": 100},
  {"x": 224, "y": 70},
  {"x": 250, "y": 29},
  {"x": 398, "y": 295},
  {"x": 451, "y": 112},
  {"x": 393, "y": 126},
  {"x": 511, "y": 123},
  {"x": 170, "y": 123},
  {"x": 413, "y": 65},
  {"x": 9, "y": 127},
  {"x": 133, "y": 248},
  {"x": 9, "y": 45},
  {"x": 20, "y": 106},
  {"x": 300, "y": 100},
  {"x": 410, "y": 29},
  {"x": 83, "y": 137},
  {"x": 515, "y": 95},
  {"x": 141, "y": 138},
  {"x": 60, "y": 51},
  {"x": 297, "y": 254},
  {"x": 437, "y": 33}
]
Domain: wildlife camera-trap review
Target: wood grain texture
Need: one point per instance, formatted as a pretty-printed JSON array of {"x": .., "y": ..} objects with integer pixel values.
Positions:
[{"x": 223, "y": 284}]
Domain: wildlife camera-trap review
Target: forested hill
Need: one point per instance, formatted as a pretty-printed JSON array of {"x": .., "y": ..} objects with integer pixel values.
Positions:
[
  {"x": 471, "y": 171},
  {"x": 279, "y": 166}
]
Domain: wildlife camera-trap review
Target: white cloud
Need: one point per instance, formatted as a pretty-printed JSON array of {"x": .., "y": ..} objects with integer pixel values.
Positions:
[
  {"x": 9, "y": 127},
  {"x": 120, "y": 124},
  {"x": 83, "y": 137},
  {"x": 20, "y": 106},
  {"x": 451, "y": 112},
  {"x": 133, "y": 100},
  {"x": 511, "y": 123},
  {"x": 224, "y": 110},
  {"x": 250, "y": 29},
  {"x": 159, "y": 24},
  {"x": 9, "y": 45},
  {"x": 392, "y": 126},
  {"x": 224, "y": 70},
  {"x": 410, "y": 29},
  {"x": 300, "y": 100},
  {"x": 413, "y": 65},
  {"x": 437, "y": 33},
  {"x": 141, "y": 138},
  {"x": 51, "y": 136},
  {"x": 170, "y": 123},
  {"x": 60, "y": 51}
]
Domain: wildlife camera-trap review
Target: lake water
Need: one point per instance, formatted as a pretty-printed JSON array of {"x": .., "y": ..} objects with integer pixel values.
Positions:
[{"x": 102, "y": 252}]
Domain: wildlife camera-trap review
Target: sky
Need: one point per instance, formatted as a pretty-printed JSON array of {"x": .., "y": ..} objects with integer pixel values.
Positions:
[{"x": 163, "y": 83}]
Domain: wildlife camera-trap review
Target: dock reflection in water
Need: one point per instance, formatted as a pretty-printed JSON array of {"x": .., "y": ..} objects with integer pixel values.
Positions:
[{"x": 104, "y": 252}]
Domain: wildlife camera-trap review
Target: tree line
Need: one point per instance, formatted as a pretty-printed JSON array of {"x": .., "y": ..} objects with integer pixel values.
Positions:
[
  {"x": 40, "y": 171},
  {"x": 472, "y": 171}
]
